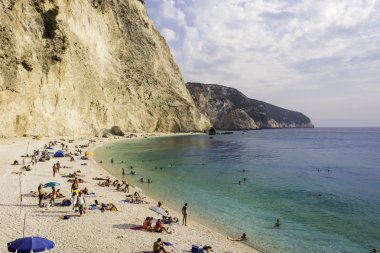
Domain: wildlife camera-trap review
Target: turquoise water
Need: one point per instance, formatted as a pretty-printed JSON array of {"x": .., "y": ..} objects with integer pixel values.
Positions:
[{"x": 282, "y": 181}]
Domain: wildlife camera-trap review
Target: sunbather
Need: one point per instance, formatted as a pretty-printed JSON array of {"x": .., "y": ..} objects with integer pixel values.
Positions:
[
  {"x": 147, "y": 224},
  {"x": 159, "y": 227},
  {"x": 241, "y": 238},
  {"x": 158, "y": 247}
]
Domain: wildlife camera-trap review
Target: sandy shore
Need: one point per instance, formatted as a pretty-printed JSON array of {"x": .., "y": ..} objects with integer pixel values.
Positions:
[{"x": 96, "y": 231}]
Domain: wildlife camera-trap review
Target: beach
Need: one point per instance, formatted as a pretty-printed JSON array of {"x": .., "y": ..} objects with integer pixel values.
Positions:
[{"x": 95, "y": 231}]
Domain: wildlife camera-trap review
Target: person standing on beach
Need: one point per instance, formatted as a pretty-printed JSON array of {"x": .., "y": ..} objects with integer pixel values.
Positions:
[
  {"x": 123, "y": 171},
  {"x": 74, "y": 187},
  {"x": 184, "y": 213},
  {"x": 40, "y": 195},
  {"x": 53, "y": 196},
  {"x": 54, "y": 170},
  {"x": 80, "y": 202}
]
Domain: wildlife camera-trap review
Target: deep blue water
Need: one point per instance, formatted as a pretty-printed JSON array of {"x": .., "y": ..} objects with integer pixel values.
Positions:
[{"x": 282, "y": 181}]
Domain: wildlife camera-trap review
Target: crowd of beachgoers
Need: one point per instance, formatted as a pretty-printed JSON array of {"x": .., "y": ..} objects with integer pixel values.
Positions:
[{"x": 59, "y": 182}]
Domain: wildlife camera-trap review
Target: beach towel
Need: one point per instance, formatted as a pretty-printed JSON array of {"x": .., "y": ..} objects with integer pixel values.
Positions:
[
  {"x": 92, "y": 208},
  {"x": 91, "y": 195},
  {"x": 168, "y": 244},
  {"x": 137, "y": 228}
]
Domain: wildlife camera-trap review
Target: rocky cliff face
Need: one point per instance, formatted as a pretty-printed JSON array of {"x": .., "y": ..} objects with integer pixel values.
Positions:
[
  {"x": 74, "y": 67},
  {"x": 228, "y": 108}
]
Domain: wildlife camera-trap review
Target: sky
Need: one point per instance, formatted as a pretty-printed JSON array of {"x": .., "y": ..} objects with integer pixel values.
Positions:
[{"x": 319, "y": 57}]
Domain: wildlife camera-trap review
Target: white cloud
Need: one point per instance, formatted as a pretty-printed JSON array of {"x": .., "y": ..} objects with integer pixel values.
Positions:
[
  {"x": 280, "y": 51},
  {"x": 169, "y": 35}
]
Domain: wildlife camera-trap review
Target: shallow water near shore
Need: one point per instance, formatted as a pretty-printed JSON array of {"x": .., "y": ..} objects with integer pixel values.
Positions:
[{"x": 285, "y": 170}]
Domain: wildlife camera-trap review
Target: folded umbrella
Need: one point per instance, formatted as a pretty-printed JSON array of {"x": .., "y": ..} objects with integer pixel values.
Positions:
[{"x": 158, "y": 210}]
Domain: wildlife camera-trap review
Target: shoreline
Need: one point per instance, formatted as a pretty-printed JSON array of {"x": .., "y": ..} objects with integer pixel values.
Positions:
[
  {"x": 96, "y": 231},
  {"x": 195, "y": 219}
]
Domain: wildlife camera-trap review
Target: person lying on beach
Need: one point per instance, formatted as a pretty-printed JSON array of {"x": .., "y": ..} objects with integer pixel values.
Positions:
[
  {"x": 99, "y": 178},
  {"x": 158, "y": 247},
  {"x": 238, "y": 239},
  {"x": 147, "y": 224},
  {"x": 15, "y": 162},
  {"x": 169, "y": 219},
  {"x": 207, "y": 249},
  {"x": 79, "y": 180},
  {"x": 159, "y": 204},
  {"x": 36, "y": 194},
  {"x": 109, "y": 207},
  {"x": 105, "y": 183},
  {"x": 27, "y": 168},
  {"x": 73, "y": 175},
  {"x": 160, "y": 228},
  {"x": 133, "y": 200},
  {"x": 96, "y": 203}
]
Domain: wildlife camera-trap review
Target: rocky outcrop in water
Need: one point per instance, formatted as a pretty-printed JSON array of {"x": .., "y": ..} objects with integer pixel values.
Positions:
[
  {"x": 78, "y": 67},
  {"x": 228, "y": 108}
]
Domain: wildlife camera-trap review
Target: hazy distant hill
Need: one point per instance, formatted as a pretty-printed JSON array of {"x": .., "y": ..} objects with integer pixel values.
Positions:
[{"x": 228, "y": 108}]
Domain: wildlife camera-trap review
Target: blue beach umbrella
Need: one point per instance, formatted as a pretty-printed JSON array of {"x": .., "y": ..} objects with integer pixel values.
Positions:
[
  {"x": 30, "y": 244},
  {"x": 51, "y": 184}
]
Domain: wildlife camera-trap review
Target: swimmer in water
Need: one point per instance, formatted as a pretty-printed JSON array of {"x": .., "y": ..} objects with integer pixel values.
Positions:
[{"x": 277, "y": 224}]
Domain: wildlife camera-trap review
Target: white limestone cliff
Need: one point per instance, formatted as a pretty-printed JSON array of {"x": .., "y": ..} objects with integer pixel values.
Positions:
[{"x": 105, "y": 64}]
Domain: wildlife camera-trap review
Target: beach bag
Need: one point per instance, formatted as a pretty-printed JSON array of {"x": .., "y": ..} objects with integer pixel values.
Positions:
[
  {"x": 196, "y": 249},
  {"x": 66, "y": 202}
]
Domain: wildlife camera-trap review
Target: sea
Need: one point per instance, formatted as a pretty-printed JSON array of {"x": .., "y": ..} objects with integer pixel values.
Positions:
[{"x": 323, "y": 184}]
